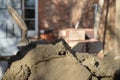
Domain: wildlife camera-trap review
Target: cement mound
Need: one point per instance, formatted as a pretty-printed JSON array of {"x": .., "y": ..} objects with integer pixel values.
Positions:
[{"x": 56, "y": 61}]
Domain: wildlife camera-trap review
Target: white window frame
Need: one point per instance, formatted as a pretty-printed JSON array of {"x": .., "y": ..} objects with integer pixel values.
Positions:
[{"x": 33, "y": 33}]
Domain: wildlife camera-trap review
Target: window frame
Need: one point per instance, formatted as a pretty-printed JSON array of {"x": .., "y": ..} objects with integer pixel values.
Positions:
[{"x": 32, "y": 33}]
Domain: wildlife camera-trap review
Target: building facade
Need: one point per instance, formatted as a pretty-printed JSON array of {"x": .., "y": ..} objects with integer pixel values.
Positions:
[{"x": 59, "y": 14}]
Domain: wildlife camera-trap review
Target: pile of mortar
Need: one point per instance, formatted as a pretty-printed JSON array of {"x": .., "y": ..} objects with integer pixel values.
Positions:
[{"x": 56, "y": 61}]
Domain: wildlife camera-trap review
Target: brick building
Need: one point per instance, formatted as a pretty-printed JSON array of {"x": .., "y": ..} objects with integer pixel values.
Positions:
[
  {"x": 56, "y": 15},
  {"x": 39, "y": 14}
]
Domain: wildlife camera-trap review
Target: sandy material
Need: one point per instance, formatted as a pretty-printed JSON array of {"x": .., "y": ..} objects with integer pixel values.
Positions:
[{"x": 56, "y": 61}]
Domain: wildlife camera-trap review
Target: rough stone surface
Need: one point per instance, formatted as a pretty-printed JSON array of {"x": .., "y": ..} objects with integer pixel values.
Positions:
[
  {"x": 106, "y": 79},
  {"x": 94, "y": 78},
  {"x": 57, "y": 61},
  {"x": 47, "y": 62},
  {"x": 102, "y": 68}
]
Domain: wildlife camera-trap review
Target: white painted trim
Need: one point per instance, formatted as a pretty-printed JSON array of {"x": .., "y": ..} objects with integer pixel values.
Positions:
[{"x": 36, "y": 17}]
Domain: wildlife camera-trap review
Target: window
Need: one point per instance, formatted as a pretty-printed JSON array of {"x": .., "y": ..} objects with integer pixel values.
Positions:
[
  {"x": 9, "y": 31},
  {"x": 30, "y": 16},
  {"x": 8, "y": 27}
]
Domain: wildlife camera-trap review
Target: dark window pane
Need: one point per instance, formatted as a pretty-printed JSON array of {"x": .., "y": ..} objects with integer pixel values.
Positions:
[
  {"x": 29, "y": 13},
  {"x": 30, "y": 24},
  {"x": 29, "y": 3}
]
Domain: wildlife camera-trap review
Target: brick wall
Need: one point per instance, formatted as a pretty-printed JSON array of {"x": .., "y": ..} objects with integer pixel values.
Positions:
[
  {"x": 54, "y": 14},
  {"x": 60, "y": 14}
]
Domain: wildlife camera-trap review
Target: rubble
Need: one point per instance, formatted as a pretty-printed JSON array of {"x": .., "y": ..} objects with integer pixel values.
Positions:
[{"x": 57, "y": 61}]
